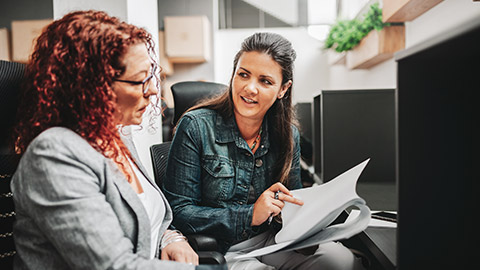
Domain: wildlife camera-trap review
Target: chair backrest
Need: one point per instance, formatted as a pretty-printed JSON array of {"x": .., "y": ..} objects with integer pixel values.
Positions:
[
  {"x": 159, "y": 153},
  {"x": 187, "y": 94},
  {"x": 11, "y": 75}
]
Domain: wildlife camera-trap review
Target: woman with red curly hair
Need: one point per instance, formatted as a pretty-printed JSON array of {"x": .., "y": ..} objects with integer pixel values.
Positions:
[{"x": 82, "y": 198}]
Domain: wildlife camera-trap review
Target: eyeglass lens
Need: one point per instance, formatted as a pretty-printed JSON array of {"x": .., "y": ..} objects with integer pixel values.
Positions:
[
  {"x": 146, "y": 85},
  {"x": 148, "y": 81}
]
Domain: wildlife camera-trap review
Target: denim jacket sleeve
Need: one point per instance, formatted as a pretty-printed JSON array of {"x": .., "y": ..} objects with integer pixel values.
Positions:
[{"x": 183, "y": 189}]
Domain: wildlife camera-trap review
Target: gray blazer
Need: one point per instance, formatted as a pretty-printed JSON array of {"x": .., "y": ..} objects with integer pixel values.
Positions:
[{"x": 76, "y": 210}]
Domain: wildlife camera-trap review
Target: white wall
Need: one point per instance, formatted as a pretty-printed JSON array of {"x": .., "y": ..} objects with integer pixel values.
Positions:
[
  {"x": 311, "y": 71},
  {"x": 442, "y": 18},
  {"x": 382, "y": 75}
]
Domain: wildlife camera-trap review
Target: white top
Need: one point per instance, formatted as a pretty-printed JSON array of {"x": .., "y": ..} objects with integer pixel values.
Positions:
[{"x": 153, "y": 203}]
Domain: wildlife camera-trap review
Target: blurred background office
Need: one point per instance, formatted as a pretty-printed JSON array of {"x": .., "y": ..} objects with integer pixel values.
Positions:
[{"x": 304, "y": 22}]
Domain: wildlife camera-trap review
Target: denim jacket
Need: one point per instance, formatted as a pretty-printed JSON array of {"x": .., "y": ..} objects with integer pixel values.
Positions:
[{"x": 209, "y": 173}]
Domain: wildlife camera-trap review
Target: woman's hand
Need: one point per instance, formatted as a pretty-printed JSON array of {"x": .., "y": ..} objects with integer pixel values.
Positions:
[
  {"x": 266, "y": 205},
  {"x": 179, "y": 251}
]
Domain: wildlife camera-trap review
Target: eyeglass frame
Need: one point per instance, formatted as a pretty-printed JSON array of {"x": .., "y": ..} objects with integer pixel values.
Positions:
[{"x": 147, "y": 79}]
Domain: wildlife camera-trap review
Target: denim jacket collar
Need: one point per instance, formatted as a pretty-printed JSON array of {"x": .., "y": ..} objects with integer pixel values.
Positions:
[{"x": 227, "y": 131}]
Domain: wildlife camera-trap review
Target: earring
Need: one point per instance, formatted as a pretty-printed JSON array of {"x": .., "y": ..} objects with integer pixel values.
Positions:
[{"x": 280, "y": 96}]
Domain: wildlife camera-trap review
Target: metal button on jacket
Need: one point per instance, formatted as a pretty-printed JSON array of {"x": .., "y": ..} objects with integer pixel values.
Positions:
[{"x": 258, "y": 163}]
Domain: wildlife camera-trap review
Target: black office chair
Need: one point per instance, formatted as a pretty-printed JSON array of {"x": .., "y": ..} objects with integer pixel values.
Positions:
[
  {"x": 186, "y": 94},
  {"x": 204, "y": 245},
  {"x": 11, "y": 74}
]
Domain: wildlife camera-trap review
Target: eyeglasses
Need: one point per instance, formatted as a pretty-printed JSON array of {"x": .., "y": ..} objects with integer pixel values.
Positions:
[{"x": 145, "y": 83}]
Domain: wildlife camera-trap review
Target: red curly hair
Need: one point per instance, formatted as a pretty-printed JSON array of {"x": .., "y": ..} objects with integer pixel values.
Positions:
[{"x": 69, "y": 77}]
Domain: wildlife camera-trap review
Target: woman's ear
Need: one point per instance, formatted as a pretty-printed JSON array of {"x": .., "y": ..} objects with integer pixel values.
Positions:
[{"x": 284, "y": 89}]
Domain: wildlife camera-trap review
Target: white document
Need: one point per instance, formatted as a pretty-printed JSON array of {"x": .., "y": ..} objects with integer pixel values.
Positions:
[{"x": 307, "y": 225}]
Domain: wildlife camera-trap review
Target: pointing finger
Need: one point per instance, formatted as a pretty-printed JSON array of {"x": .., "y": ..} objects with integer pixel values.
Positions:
[{"x": 288, "y": 198}]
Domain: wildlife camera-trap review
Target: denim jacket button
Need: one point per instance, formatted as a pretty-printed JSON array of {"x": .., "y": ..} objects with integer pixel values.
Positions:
[
  {"x": 240, "y": 202},
  {"x": 258, "y": 163}
]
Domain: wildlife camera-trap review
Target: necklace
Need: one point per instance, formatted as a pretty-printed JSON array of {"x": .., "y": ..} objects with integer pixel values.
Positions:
[{"x": 257, "y": 139}]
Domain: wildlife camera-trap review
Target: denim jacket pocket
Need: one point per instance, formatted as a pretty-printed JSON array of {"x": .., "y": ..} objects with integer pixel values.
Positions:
[{"x": 219, "y": 180}]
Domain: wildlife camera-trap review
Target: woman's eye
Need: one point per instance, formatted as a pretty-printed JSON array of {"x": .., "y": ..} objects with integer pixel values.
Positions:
[
  {"x": 267, "y": 82},
  {"x": 243, "y": 74}
]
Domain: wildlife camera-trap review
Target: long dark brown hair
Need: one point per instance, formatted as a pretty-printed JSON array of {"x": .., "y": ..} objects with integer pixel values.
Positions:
[
  {"x": 69, "y": 77},
  {"x": 281, "y": 116}
]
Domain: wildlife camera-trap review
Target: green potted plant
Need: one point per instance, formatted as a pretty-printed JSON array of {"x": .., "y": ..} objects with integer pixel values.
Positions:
[
  {"x": 346, "y": 34},
  {"x": 366, "y": 42}
]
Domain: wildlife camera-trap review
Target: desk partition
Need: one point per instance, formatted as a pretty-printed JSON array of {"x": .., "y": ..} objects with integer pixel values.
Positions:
[
  {"x": 350, "y": 127},
  {"x": 438, "y": 82}
]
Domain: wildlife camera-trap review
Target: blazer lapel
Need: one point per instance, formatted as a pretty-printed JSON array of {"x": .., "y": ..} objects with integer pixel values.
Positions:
[
  {"x": 131, "y": 197},
  {"x": 128, "y": 141},
  {"x": 136, "y": 158}
]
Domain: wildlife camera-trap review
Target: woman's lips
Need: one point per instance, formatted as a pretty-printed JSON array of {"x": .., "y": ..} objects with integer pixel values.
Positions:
[{"x": 248, "y": 101}]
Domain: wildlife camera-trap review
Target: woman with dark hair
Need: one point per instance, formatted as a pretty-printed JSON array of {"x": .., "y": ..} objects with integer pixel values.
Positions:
[
  {"x": 82, "y": 198},
  {"x": 235, "y": 157}
]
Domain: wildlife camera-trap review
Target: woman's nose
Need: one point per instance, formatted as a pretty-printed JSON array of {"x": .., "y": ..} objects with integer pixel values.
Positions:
[
  {"x": 251, "y": 87},
  {"x": 153, "y": 89}
]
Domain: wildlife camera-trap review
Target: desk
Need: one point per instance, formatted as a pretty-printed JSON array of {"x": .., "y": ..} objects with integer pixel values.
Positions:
[
  {"x": 377, "y": 243},
  {"x": 381, "y": 242}
]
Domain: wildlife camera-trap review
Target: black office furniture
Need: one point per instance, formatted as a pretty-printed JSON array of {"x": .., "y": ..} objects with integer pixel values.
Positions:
[
  {"x": 188, "y": 93},
  {"x": 351, "y": 126},
  {"x": 376, "y": 244},
  {"x": 11, "y": 74},
  {"x": 205, "y": 246},
  {"x": 356, "y": 125},
  {"x": 303, "y": 112},
  {"x": 317, "y": 137},
  {"x": 438, "y": 117},
  {"x": 185, "y": 95}
]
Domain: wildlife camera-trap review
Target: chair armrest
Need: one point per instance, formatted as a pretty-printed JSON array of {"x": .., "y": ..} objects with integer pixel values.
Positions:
[
  {"x": 201, "y": 242},
  {"x": 206, "y": 248},
  {"x": 211, "y": 258}
]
